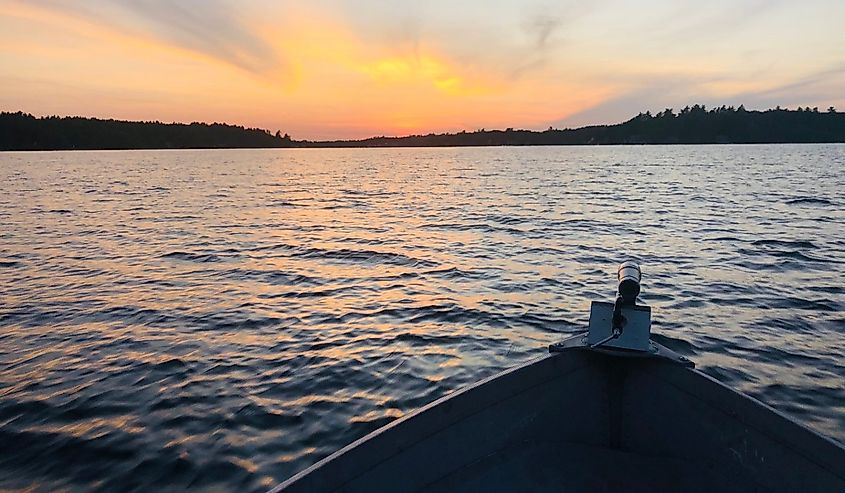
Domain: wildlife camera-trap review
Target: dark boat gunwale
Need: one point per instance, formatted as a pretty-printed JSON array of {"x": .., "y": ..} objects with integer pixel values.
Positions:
[{"x": 366, "y": 453}]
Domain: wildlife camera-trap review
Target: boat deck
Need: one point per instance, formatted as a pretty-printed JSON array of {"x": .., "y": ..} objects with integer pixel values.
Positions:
[
  {"x": 556, "y": 466},
  {"x": 583, "y": 421}
]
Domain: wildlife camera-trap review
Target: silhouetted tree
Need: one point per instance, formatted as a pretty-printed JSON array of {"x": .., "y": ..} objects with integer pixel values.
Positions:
[
  {"x": 20, "y": 131},
  {"x": 696, "y": 126}
]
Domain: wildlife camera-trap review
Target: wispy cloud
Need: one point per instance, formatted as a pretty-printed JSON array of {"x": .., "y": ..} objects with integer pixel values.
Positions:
[
  {"x": 657, "y": 92},
  {"x": 542, "y": 27},
  {"x": 824, "y": 85},
  {"x": 706, "y": 21},
  {"x": 214, "y": 28}
]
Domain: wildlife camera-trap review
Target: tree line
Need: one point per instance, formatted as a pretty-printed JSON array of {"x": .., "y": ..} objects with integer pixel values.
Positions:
[
  {"x": 690, "y": 125},
  {"x": 21, "y": 132}
]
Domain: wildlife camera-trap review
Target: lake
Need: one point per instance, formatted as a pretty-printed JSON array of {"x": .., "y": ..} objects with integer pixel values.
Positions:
[{"x": 223, "y": 319}]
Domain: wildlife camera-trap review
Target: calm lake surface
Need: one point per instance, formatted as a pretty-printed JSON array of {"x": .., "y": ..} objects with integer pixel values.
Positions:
[{"x": 223, "y": 319}]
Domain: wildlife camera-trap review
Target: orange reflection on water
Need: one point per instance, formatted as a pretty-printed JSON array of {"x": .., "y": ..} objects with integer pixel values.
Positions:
[
  {"x": 378, "y": 414},
  {"x": 92, "y": 427}
]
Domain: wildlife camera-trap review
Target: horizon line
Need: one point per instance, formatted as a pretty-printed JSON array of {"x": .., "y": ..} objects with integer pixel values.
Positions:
[{"x": 430, "y": 133}]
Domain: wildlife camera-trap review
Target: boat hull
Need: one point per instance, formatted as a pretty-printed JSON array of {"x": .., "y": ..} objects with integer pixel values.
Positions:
[{"x": 584, "y": 421}]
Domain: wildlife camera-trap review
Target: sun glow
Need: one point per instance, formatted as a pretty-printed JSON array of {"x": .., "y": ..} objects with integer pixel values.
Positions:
[
  {"x": 325, "y": 81},
  {"x": 328, "y": 71}
]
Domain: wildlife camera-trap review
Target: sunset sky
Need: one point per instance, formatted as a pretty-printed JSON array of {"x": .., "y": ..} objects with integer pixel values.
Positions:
[{"x": 346, "y": 69}]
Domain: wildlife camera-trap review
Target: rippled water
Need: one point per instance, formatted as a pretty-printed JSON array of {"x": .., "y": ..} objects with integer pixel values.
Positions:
[{"x": 223, "y": 319}]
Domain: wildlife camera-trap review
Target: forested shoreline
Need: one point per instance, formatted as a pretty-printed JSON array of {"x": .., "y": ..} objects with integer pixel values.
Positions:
[{"x": 690, "y": 125}]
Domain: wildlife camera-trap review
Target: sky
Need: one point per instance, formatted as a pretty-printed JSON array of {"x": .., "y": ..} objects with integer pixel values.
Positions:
[{"x": 327, "y": 69}]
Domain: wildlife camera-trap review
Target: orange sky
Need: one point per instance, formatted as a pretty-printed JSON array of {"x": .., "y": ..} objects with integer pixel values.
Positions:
[{"x": 339, "y": 69}]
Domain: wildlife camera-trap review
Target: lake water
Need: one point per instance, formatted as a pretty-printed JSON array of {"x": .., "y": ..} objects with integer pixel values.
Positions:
[{"x": 223, "y": 319}]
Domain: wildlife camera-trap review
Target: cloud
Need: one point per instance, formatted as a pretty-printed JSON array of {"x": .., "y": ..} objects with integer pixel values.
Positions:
[
  {"x": 819, "y": 88},
  {"x": 542, "y": 27},
  {"x": 707, "y": 21},
  {"x": 656, "y": 95},
  {"x": 656, "y": 92},
  {"x": 214, "y": 28}
]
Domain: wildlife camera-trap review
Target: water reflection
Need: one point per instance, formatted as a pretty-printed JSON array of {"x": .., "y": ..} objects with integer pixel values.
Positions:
[{"x": 225, "y": 318}]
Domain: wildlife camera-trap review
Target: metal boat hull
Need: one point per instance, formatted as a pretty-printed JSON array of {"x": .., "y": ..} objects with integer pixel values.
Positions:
[{"x": 584, "y": 421}]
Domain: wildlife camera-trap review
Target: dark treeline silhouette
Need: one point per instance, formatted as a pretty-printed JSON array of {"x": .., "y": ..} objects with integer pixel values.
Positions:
[
  {"x": 21, "y": 131},
  {"x": 691, "y": 125}
]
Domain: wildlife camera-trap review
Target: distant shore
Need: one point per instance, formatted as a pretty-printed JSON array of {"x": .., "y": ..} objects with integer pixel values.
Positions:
[{"x": 692, "y": 125}]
